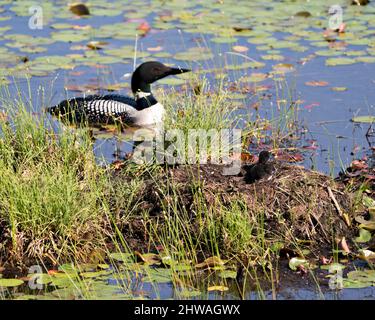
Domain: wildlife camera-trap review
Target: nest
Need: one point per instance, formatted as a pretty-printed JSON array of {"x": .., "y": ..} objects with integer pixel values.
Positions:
[{"x": 299, "y": 206}]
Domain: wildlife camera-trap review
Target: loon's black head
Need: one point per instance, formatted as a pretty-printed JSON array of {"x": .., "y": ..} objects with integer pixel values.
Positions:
[
  {"x": 150, "y": 72},
  {"x": 263, "y": 157}
]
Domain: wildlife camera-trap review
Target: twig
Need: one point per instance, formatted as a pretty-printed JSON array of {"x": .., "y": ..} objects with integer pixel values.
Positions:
[{"x": 342, "y": 215}]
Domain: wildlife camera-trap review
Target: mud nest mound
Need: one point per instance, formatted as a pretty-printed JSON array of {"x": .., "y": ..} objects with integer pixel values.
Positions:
[{"x": 297, "y": 206}]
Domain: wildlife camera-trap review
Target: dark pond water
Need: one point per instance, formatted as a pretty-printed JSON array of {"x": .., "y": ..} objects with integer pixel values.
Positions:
[{"x": 334, "y": 80}]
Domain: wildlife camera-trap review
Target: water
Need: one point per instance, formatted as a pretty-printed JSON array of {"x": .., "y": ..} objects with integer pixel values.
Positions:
[{"x": 323, "y": 113}]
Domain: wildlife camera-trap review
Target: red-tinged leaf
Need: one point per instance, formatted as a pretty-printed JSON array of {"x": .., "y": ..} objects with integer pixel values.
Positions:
[
  {"x": 313, "y": 146},
  {"x": 358, "y": 165},
  {"x": 302, "y": 269},
  {"x": 159, "y": 247},
  {"x": 144, "y": 26},
  {"x": 356, "y": 148},
  {"x": 370, "y": 176},
  {"x": 342, "y": 28},
  {"x": 100, "y": 66},
  {"x": 155, "y": 49},
  {"x": 317, "y": 83},
  {"x": 312, "y": 105},
  {"x": 3, "y": 116},
  {"x": 76, "y": 73},
  {"x": 289, "y": 157},
  {"x": 325, "y": 261},
  {"x": 117, "y": 165},
  {"x": 240, "y": 49},
  {"x": 344, "y": 245},
  {"x": 136, "y": 20},
  {"x": 52, "y": 272},
  {"x": 247, "y": 157},
  {"x": 87, "y": 27}
]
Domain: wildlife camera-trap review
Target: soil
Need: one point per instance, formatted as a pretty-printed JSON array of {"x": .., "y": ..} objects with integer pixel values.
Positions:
[{"x": 297, "y": 203}]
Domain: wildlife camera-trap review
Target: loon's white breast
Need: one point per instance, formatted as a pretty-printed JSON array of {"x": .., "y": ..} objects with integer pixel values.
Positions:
[{"x": 149, "y": 116}]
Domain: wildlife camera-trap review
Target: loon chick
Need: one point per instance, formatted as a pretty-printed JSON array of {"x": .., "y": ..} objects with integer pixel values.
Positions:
[
  {"x": 142, "y": 110},
  {"x": 260, "y": 169}
]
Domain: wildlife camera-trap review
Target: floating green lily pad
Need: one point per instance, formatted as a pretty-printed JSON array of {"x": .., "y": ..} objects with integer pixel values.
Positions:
[
  {"x": 10, "y": 282},
  {"x": 339, "y": 89},
  {"x": 122, "y": 257},
  {"x": 186, "y": 293},
  {"x": 339, "y": 61},
  {"x": 364, "y": 119},
  {"x": 228, "y": 274},
  {"x": 224, "y": 40},
  {"x": 364, "y": 236},
  {"x": 350, "y": 284},
  {"x": 296, "y": 262}
]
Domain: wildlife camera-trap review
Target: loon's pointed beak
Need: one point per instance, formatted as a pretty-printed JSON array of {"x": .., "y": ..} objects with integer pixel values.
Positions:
[{"x": 177, "y": 71}]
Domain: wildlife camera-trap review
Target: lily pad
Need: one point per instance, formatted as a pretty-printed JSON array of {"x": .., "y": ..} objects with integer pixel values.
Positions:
[
  {"x": 295, "y": 263},
  {"x": 333, "y": 267},
  {"x": 228, "y": 274},
  {"x": 339, "y": 89},
  {"x": 186, "y": 293},
  {"x": 224, "y": 40},
  {"x": 210, "y": 262},
  {"x": 350, "y": 284},
  {"x": 339, "y": 61},
  {"x": 364, "y": 119},
  {"x": 122, "y": 257},
  {"x": 159, "y": 275},
  {"x": 217, "y": 288},
  {"x": 95, "y": 274},
  {"x": 364, "y": 236},
  {"x": 10, "y": 282}
]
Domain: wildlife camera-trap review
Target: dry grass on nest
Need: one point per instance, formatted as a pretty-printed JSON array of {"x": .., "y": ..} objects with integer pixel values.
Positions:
[{"x": 296, "y": 206}]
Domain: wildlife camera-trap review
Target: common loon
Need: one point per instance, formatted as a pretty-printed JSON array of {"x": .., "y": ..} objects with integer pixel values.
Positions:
[{"x": 142, "y": 110}]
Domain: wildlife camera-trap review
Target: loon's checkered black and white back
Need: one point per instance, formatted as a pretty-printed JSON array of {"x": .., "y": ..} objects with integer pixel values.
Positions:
[
  {"x": 143, "y": 110},
  {"x": 97, "y": 109}
]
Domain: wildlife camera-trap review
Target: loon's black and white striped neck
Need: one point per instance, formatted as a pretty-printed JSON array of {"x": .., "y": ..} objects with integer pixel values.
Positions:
[
  {"x": 144, "y": 100},
  {"x": 142, "y": 110}
]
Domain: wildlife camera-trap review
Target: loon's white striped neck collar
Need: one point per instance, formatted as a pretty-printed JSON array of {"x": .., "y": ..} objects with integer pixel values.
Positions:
[
  {"x": 144, "y": 100},
  {"x": 140, "y": 94}
]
